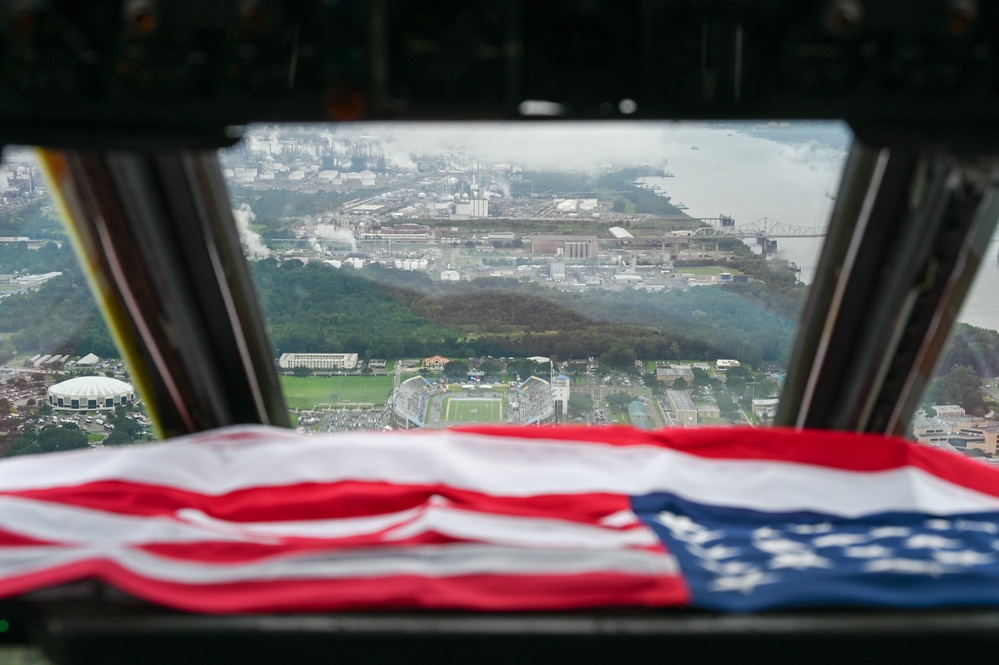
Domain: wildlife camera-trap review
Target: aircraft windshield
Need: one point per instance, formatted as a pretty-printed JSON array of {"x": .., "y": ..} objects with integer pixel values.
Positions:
[
  {"x": 425, "y": 276},
  {"x": 62, "y": 382},
  {"x": 444, "y": 274}
]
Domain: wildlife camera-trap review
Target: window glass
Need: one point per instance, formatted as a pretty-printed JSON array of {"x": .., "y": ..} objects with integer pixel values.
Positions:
[
  {"x": 442, "y": 274},
  {"x": 56, "y": 354},
  {"x": 959, "y": 409}
]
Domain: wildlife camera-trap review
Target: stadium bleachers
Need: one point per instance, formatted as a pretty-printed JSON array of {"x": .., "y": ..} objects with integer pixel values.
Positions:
[
  {"x": 412, "y": 399},
  {"x": 537, "y": 404}
]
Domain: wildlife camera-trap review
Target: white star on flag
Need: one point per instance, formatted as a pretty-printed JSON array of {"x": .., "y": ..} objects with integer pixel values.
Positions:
[
  {"x": 678, "y": 523},
  {"x": 890, "y": 532},
  {"x": 744, "y": 583},
  {"x": 932, "y": 542},
  {"x": 868, "y": 552},
  {"x": 841, "y": 540},
  {"x": 766, "y": 532},
  {"x": 714, "y": 552},
  {"x": 911, "y": 566},
  {"x": 810, "y": 529},
  {"x": 964, "y": 558},
  {"x": 972, "y": 525},
  {"x": 776, "y": 546},
  {"x": 728, "y": 568},
  {"x": 800, "y": 561},
  {"x": 700, "y": 537}
]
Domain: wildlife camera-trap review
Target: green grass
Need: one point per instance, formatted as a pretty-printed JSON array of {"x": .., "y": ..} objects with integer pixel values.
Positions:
[
  {"x": 707, "y": 271},
  {"x": 305, "y": 392},
  {"x": 471, "y": 410},
  {"x": 95, "y": 438},
  {"x": 620, "y": 418}
]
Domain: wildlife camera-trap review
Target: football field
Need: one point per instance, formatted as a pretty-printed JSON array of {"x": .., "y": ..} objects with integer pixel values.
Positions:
[{"x": 474, "y": 409}]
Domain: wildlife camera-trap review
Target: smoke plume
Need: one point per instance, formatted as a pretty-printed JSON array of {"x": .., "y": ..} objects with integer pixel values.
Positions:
[
  {"x": 253, "y": 245},
  {"x": 330, "y": 232}
]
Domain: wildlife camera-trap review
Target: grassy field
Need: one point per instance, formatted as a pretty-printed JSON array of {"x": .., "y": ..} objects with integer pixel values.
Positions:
[
  {"x": 305, "y": 392},
  {"x": 473, "y": 410},
  {"x": 707, "y": 271},
  {"x": 620, "y": 418}
]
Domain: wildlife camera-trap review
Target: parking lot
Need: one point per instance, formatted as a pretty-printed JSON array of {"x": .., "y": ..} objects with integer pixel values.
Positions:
[{"x": 352, "y": 421}]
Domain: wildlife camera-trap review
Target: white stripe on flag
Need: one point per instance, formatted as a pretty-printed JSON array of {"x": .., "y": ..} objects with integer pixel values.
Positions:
[
  {"x": 497, "y": 465},
  {"x": 58, "y": 523}
]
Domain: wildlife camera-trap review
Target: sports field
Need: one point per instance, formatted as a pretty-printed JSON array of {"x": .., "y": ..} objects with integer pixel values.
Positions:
[
  {"x": 473, "y": 409},
  {"x": 306, "y": 392}
]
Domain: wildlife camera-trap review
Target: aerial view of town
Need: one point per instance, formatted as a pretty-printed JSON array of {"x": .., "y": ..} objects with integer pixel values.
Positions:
[{"x": 417, "y": 283}]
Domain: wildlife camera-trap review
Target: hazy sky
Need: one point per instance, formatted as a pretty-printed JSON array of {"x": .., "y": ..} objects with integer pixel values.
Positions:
[{"x": 562, "y": 145}]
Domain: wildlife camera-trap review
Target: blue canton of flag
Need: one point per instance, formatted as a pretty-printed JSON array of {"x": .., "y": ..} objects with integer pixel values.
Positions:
[{"x": 736, "y": 559}]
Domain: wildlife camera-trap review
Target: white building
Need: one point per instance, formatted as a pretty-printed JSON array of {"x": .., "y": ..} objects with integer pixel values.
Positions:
[
  {"x": 472, "y": 208},
  {"x": 949, "y": 411},
  {"x": 90, "y": 393},
  {"x": 318, "y": 360},
  {"x": 683, "y": 407},
  {"x": 89, "y": 359},
  {"x": 765, "y": 409},
  {"x": 560, "y": 391},
  {"x": 36, "y": 280}
]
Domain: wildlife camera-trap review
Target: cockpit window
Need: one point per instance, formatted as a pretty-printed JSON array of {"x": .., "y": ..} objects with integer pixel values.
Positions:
[
  {"x": 426, "y": 276},
  {"x": 442, "y": 274},
  {"x": 62, "y": 382},
  {"x": 960, "y": 409}
]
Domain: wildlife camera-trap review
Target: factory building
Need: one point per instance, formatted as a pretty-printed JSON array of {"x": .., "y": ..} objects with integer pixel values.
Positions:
[
  {"x": 471, "y": 209},
  {"x": 567, "y": 247},
  {"x": 557, "y": 271}
]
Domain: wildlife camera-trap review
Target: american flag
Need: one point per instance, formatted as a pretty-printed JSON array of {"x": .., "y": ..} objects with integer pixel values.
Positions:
[{"x": 261, "y": 519}]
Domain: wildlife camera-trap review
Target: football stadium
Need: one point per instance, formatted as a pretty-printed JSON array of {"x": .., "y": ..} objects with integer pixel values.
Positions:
[{"x": 419, "y": 403}]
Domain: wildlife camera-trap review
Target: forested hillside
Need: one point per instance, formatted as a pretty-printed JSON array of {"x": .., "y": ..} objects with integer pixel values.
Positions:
[
  {"x": 37, "y": 219},
  {"x": 385, "y": 313},
  {"x": 61, "y": 317},
  {"x": 977, "y": 348}
]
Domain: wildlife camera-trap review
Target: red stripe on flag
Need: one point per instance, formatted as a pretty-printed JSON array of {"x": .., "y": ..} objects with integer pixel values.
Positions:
[
  {"x": 463, "y": 592},
  {"x": 246, "y": 552},
  {"x": 845, "y": 451},
  {"x": 307, "y": 501}
]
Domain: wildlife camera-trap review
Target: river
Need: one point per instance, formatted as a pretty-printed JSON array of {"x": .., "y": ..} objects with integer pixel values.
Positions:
[{"x": 749, "y": 178}]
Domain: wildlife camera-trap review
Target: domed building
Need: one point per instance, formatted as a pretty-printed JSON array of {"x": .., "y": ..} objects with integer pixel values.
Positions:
[{"x": 91, "y": 393}]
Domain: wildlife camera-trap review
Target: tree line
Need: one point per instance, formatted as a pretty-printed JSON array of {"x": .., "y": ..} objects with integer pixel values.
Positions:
[{"x": 380, "y": 312}]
